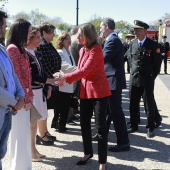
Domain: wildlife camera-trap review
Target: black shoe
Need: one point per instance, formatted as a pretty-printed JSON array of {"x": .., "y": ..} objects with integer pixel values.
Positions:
[
  {"x": 150, "y": 133},
  {"x": 62, "y": 130},
  {"x": 76, "y": 111},
  {"x": 71, "y": 122},
  {"x": 119, "y": 148},
  {"x": 95, "y": 137},
  {"x": 53, "y": 138},
  {"x": 128, "y": 123},
  {"x": 75, "y": 117},
  {"x": 166, "y": 72},
  {"x": 53, "y": 125},
  {"x": 81, "y": 162},
  {"x": 40, "y": 141},
  {"x": 132, "y": 130},
  {"x": 157, "y": 124}
]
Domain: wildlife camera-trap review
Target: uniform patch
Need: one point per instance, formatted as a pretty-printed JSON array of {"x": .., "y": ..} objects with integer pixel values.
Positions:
[{"x": 158, "y": 50}]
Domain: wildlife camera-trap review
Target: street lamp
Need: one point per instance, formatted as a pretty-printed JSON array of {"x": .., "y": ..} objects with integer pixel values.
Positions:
[
  {"x": 160, "y": 31},
  {"x": 77, "y": 12}
]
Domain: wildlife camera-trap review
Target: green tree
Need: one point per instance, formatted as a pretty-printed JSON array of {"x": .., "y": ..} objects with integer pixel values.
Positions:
[
  {"x": 122, "y": 27},
  {"x": 55, "y": 21},
  {"x": 38, "y": 17},
  {"x": 64, "y": 27},
  {"x": 2, "y": 4},
  {"x": 95, "y": 20},
  {"x": 21, "y": 14}
]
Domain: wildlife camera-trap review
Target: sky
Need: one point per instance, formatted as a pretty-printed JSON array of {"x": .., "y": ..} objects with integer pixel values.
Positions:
[{"x": 127, "y": 10}]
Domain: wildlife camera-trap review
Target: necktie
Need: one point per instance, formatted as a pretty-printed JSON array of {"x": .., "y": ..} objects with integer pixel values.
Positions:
[{"x": 140, "y": 44}]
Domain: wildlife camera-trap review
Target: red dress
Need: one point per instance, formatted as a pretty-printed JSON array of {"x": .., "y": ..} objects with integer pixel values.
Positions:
[
  {"x": 22, "y": 69},
  {"x": 94, "y": 83}
]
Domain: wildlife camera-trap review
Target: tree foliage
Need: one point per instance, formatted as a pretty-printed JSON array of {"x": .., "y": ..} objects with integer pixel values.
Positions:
[
  {"x": 2, "y": 4},
  {"x": 64, "y": 27},
  {"x": 36, "y": 18},
  {"x": 122, "y": 27}
]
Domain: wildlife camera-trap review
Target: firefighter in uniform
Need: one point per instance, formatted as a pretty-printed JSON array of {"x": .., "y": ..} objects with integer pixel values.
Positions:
[
  {"x": 164, "y": 47},
  {"x": 145, "y": 62}
]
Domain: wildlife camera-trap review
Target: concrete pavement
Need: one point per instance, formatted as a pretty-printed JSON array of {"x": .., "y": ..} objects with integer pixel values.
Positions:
[{"x": 144, "y": 154}]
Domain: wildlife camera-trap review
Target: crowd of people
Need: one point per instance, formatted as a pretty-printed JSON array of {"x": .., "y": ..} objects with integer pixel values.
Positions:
[{"x": 83, "y": 68}]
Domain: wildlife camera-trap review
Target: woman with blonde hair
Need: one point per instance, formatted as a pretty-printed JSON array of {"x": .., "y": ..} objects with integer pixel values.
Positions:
[
  {"x": 38, "y": 82},
  {"x": 94, "y": 92}
]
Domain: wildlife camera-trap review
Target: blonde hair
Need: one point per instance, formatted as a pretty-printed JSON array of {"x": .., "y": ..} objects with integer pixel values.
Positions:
[{"x": 90, "y": 34}]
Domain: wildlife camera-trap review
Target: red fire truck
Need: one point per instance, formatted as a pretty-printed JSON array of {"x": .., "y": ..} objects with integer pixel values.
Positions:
[{"x": 152, "y": 32}]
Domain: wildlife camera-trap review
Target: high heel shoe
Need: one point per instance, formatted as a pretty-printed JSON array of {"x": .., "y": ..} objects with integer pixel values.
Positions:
[
  {"x": 40, "y": 141},
  {"x": 40, "y": 155},
  {"x": 53, "y": 138},
  {"x": 83, "y": 162},
  {"x": 36, "y": 159}
]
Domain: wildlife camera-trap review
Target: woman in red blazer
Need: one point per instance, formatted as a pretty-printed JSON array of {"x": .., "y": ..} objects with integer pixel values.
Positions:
[{"x": 94, "y": 92}]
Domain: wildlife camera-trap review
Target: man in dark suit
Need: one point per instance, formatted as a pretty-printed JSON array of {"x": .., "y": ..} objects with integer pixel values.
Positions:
[
  {"x": 114, "y": 69},
  {"x": 164, "y": 46},
  {"x": 145, "y": 61}
]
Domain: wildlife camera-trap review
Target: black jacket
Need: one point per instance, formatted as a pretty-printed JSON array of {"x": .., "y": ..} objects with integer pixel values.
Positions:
[
  {"x": 38, "y": 77},
  {"x": 145, "y": 62}
]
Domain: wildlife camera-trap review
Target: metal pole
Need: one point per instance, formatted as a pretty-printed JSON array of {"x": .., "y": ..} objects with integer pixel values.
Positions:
[{"x": 77, "y": 13}]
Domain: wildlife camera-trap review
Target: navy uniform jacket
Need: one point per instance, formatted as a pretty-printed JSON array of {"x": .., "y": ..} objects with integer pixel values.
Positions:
[
  {"x": 114, "y": 62},
  {"x": 164, "y": 47},
  {"x": 145, "y": 62}
]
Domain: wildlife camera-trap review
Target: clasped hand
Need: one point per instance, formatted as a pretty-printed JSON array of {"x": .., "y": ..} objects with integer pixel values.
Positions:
[{"x": 59, "y": 76}]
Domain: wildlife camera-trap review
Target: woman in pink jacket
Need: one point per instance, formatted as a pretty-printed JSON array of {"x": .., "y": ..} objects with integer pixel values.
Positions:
[{"x": 94, "y": 92}]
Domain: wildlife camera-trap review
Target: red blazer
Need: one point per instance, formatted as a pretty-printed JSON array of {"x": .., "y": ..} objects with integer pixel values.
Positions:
[
  {"x": 23, "y": 70},
  {"x": 90, "y": 70}
]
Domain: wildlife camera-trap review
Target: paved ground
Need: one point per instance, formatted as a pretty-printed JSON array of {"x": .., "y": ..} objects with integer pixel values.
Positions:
[{"x": 144, "y": 154}]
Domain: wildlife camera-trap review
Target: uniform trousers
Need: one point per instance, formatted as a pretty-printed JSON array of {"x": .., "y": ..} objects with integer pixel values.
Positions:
[
  {"x": 148, "y": 98},
  {"x": 164, "y": 59},
  {"x": 99, "y": 106},
  {"x": 20, "y": 142}
]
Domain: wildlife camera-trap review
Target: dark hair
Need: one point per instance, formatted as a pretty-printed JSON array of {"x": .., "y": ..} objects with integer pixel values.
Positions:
[
  {"x": 110, "y": 22},
  {"x": 2, "y": 16},
  {"x": 18, "y": 34},
  {"x": 60, "y": 39},
  {"x": 33, "y": 34},
  {"x": 90, "y": 34},
  {"x": 47, "y": 27}
]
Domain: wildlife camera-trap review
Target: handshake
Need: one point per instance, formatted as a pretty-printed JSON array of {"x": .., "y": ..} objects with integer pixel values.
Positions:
[{"x": 59, "y": 77}]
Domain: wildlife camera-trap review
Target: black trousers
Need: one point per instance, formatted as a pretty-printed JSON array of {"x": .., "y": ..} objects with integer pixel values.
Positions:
[
  {"x": 148, "y": 98},
  {"x": 128, "y": 65},
  {"x": 164, "y": 59},
  {"x": 118, "y": 117},
  {"x": 61, "y": 111},
  {"x": 99, "y": 106}
]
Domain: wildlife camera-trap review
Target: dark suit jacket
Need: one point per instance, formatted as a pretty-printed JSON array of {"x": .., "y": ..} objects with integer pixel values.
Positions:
[
  {"x": 164, "y": 47},
  {"x": 145, "y": 62},
  {"x": 114, "y": 62}
]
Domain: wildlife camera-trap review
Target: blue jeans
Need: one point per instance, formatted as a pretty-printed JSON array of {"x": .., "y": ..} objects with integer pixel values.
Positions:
[{"x": 4, "y": 134}]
